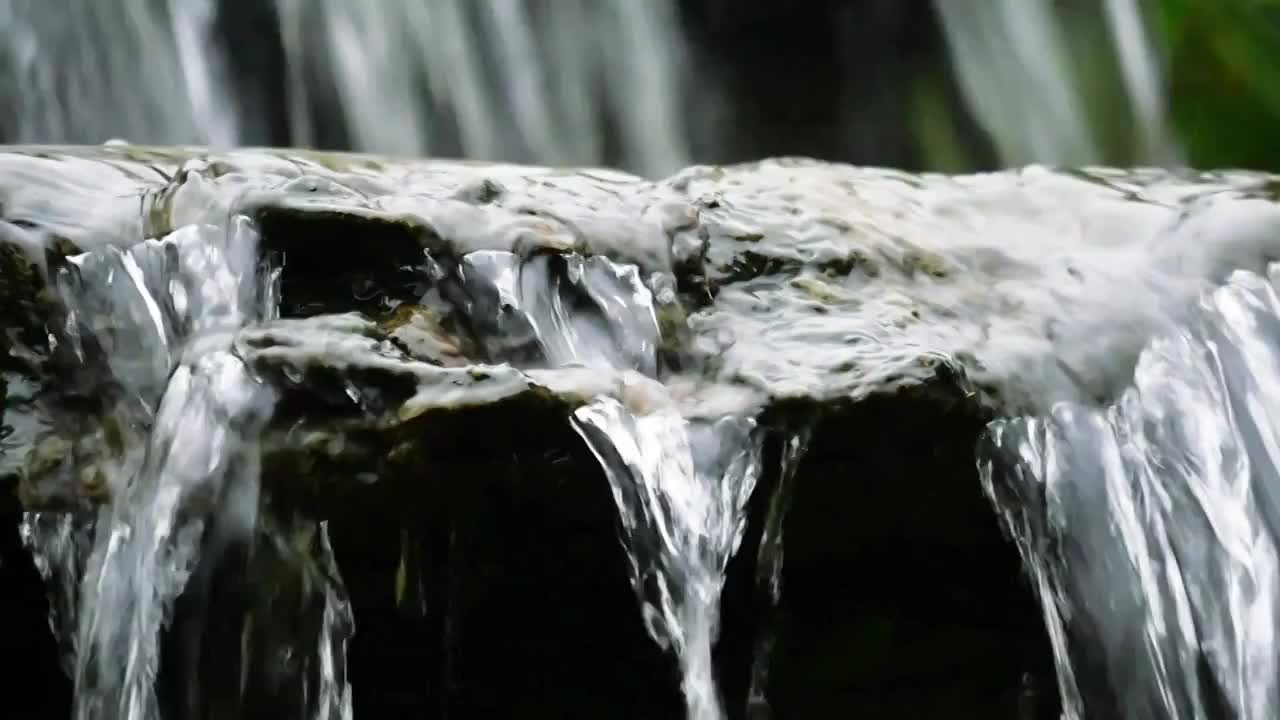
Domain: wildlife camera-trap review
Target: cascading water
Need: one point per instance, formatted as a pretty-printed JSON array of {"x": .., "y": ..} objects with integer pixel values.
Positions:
[
  {"x": 576, "y": 82},
  {"x": 496, "y": 80},
  {"x": 681, "y": 489},
  {"x": 681, "y": 486},
  {"x": 1149, "y": 527},
  {"x": 1007, "y": 51},
  {"x": 503, "y": 79},
  {"x": 672, "y": 324},
  {"x": 72, "y": 71},
  {"x": 151, "y": 328}
]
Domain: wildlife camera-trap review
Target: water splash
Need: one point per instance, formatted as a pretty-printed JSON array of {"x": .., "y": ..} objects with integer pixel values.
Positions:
[
  {"x": 1149, "y": 528},
  {"x": 681, "y": 489}
]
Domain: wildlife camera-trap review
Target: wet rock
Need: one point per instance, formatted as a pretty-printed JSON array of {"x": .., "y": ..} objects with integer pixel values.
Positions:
[{"x": 891, "y": 314}]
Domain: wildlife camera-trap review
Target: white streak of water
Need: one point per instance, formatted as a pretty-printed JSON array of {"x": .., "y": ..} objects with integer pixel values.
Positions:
[
  {"x": 681, "y": 490},
  {"x": 1150, "y": 527},
  {"x": 153, "y": 326},
  {"x": 769, "y": 561},
  {"x": 1140, "y": 69},
  {"x": 1011, "y": 61},
  {"x": 1015, "y": 62}
]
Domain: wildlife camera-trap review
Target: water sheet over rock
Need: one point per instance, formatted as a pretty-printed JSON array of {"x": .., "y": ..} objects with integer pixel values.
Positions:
[{"x": 402, "y": 319}]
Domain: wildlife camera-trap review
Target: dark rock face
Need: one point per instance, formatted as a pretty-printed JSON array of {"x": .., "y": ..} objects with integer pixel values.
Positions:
[{"x": 421, "y": 414}]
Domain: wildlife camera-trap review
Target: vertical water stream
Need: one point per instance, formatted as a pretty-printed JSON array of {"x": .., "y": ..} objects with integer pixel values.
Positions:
[
  {"x": 1149, "y": 528},
  {"x": 681, "y": 489},
  {"x": 769, "y": 559},
  {"x": 150, "y": 331},
  {"x": 681, "y": 486}
]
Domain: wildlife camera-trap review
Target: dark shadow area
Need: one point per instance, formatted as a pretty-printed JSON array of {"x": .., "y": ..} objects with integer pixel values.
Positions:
[
  {"x": 830, "y": 79},
  {"x": 492, "y": 582},
  {"x": 333, "y": 263},
  {"x": 901, "y": 598},
  {"x": 33, "y": 684}
]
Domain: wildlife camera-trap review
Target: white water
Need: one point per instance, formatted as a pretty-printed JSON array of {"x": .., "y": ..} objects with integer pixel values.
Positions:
[
  {"x": 149, "y": 539},
  {"x": 151, "y": 328},
  {"x": 681, "y": 486},
  {"x": 681, "y": 491},
  {"x": 1018, "y": 63},
  {"x": 87, "y": 71},
  {"x": 1150, "y": 528},
  {"x": 492, "y": 79},
  {"x": 571, "y": 82}
]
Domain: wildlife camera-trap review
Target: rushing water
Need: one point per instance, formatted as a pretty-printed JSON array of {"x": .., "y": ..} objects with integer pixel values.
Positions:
[
  {"x": 1150, "y": 527},
  {"x": 570, "y": 82},
  {"x": 495, "y": 79},
  {"x": 681, "y": 486},
  {"x": 681, "y": 490},
  {"x": 1008, "y": 51},
  {"x": 659, "y": 319},
  {"x": 150, "y": 328}
]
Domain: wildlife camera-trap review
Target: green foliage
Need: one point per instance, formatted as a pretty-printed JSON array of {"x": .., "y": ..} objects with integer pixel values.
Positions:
[{"x": 1223, "y": 77}]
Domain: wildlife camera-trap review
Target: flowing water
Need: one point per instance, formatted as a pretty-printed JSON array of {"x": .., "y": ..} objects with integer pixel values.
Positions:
[
  {"x": 550, "y": 83},
  {"x": 571, "y": 82},
  {"x": 769, "y": 563},
  {"x": 1150, "y": 527},
  {"x": 681, "y": 489},
  {"x": 150, "y": 328},
  {"x": 662, "y": 317},
  {"x": 681, "y": 486},
  {"x": 1035, "y": 79}
]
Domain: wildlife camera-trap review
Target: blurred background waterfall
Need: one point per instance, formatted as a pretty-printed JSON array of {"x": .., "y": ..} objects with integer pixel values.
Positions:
[{"x": 651, "y": 86}]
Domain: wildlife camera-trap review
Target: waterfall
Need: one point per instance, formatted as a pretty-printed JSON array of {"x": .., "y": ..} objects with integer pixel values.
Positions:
[
  {"x": 554, "y": 83},
  {"x": 83, "y": 71},
  {"x": 681, "y": 486},
  {"x": 1149, "y": 527},
  {"x": 499, "y": 79},
  {"x": 1016, "y": 63},
  {"x": 229, "y": 345},
  {"x": 681, "y": 490},
  {"x": 150, "y": 329}
]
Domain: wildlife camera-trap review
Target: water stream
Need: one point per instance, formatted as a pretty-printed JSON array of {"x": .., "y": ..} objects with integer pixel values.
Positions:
[
  {"x": 572, "y": 82},
  {"x": 1147, "y": 526},
  {"x": 681, "y": 489},
  {"x": 151, "y": 327},
  {"x": 1019, "y": 63},
  {"x": 681, "y": 486},
  {"x": 1150, "y": 527},
  {"x": 769, "y": 562}
]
